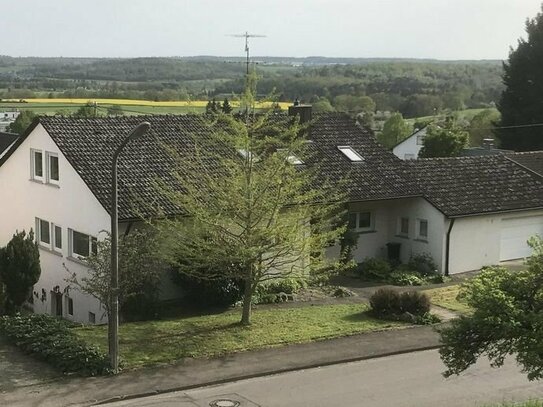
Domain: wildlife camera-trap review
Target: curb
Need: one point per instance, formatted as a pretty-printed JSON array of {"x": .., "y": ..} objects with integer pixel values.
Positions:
[{"x": 256, "y": 375}]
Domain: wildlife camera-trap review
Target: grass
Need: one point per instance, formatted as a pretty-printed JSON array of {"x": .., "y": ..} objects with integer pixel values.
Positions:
[
  {"x": 446, "y": 297},
  {"x": 153, "y": 342},
  {"x": 529, "y": 403}
]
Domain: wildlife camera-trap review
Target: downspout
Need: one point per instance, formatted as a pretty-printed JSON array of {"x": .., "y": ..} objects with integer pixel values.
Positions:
[{"x": 448, "y": 246}]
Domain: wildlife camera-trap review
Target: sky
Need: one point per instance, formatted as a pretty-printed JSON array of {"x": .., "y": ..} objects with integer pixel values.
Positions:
[{"x": 440, "y": 29}]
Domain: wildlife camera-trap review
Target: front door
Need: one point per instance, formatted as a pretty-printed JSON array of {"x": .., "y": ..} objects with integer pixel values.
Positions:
[{"x": 56, "y": 304}]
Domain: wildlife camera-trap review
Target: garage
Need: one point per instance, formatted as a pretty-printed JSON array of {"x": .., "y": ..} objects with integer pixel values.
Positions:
[{"x": 514, "y": 235}]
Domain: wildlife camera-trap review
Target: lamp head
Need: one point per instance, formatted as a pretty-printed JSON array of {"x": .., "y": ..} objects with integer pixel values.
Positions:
[{"x": 139, "y": 131}]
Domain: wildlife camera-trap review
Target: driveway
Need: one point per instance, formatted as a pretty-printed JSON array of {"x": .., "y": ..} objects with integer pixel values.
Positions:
[{"x": 20, "y": 370}]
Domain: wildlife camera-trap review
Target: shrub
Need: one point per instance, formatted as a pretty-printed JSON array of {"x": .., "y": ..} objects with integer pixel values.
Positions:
[
  {"x": 414, "y": 302},
  {"x": 385, "y": 302},
  {"x": 342, "y": 292},
  {"x": 217, "y": 293},
  {"x": 405, "y": 278},
  {"x": 52, "y": 340},
  {"x": 284, "y": 285},
  {"x": 423, "y": 264},
  {"x": 373, "y": 268}
]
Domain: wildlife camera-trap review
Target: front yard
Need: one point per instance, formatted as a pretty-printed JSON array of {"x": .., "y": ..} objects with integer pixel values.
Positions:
[
  {"x": 447, "y": 297},
  {"x": 147, "y": 343}
]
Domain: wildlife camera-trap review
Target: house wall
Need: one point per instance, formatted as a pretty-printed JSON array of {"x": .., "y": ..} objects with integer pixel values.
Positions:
[
  {"x": 475, "y": 240},
  {"x": 409, "y": 146},
  {"x": 69, "y": 205},
  {"x": 386, "y": 229}
]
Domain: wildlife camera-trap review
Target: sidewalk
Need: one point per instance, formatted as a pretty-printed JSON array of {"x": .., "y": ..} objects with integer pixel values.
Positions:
[{"x": 197, "y": 372}]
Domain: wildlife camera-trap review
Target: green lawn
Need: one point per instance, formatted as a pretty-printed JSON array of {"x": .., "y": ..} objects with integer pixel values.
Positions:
[
  {"x": 144, "y": 343},
  {"x": 446, "y": 297},
  {"x": 531, "y": 403}
]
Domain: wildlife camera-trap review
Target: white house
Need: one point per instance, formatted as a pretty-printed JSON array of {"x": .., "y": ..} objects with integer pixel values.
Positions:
[
  {"x": 409, "y": 148},
  {"x": 465, "y": 212},
  {"x": 6, "y": 118}
]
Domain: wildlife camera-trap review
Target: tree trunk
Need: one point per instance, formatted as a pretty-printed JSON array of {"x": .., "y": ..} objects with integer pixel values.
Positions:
[{"x": 247, "y": 299}]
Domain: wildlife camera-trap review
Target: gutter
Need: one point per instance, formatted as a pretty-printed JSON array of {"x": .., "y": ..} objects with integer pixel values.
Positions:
[{"x": 448, "y": 246}]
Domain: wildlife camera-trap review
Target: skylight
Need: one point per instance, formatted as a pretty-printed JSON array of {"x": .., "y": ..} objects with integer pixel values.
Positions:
[
  {"x": 291, "y": 158},
  {"x": 350, "y": 153}
]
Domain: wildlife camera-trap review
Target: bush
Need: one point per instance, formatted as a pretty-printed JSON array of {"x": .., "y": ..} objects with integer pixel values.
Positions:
[
  {"x": 211, "y": 293},
  {"x": 423, "y": 264},
  {"x": 385, "y": 302},
  {"x": 390, "y": 303},
  {"x": 414, "y": 302},
  {"x": 284, "y": 285},
  {"x": 405, "y": 278},
  {"x": 373, "y": 268},
  {"x": 51, "y": 340}
]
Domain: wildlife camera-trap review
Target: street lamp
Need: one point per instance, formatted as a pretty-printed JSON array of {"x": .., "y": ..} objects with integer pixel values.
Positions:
[{"x": 113, "y": 317}]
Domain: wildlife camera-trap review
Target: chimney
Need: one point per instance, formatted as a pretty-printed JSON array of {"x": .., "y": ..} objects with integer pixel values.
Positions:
[
  {"x": 304, "y": 111},
  {"x": 488, "y": 143}
]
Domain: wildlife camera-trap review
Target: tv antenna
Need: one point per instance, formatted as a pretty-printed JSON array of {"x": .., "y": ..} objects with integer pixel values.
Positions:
[{"x": 247, "y": 36}]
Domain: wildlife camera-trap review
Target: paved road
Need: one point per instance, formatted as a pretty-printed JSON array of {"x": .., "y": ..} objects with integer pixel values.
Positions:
[{"x": 406, "y": 380}]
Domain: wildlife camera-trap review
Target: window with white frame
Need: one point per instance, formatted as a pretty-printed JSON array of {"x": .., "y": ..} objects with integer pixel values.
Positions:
[
  {"x": 420, "y": 140},
  {"x": 36, "y": 164},
  {"x": 422, "y": 229},
  {"x": 361, "y": 221},
  {"x": 81, "y": 245},
  {"x": 52, "y": 168},
  {"x": 43, "y": 232},
  {"x": 403, "y": 226},
  {"x": 57, "y": 237}
]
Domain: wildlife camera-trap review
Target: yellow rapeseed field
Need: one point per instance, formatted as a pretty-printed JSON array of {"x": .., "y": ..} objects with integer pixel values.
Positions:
[{"x": 135, "y": 102}]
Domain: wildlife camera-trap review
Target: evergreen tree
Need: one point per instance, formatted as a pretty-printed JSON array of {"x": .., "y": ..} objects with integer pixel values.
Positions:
[
  {"x": 22, "y": 122},
  {"x": 226, "y": 108},
  {"x": 19, "y": 269},
  {"x": 522, "y": 100}
]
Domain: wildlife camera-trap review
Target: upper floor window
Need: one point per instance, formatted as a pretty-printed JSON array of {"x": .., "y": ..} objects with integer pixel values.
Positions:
[
  {"x": 49, "y": 235},
  {"x": 350, "y": 153},
  {"x": 403, "y": 226},
  {"x": 361, "y": 221},
  {"x": 52, "y": 168},
  {"x": 422, "y": 232},
  {"x": 420, "y": 140},
  {"x": 81, "y": 244},
  {"x": 36, "y": 164}
]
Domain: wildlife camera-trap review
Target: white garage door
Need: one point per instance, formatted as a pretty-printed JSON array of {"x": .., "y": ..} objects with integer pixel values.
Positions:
[{"x": 515, "y": 233}]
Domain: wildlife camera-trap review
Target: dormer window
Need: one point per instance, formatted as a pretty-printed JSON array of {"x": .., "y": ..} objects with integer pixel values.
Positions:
[{"x": 350, "y": 153}]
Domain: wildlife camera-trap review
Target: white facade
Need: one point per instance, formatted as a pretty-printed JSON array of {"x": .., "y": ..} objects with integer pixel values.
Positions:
[
  {"x": 385, "y": 228},
  {"x": 69, "y": 205},
  {"x": 6, "y": 118},
  {"x": 484, "y": 240},
  {"x": 409, "y": 148}
]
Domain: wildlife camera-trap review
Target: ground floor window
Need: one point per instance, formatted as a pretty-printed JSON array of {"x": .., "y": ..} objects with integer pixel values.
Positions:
[
  {"x": 70, "y": 306},
  {"x": 92, "y": 317},
  {"x": 81, "y": 244},
  {"x": 422, "y": 229}
]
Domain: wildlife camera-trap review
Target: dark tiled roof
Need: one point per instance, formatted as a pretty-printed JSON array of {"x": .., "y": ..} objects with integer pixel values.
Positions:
[
  {"x": 6, "y": 140},
  {"x": 532, "y": 160},
  {"x": 88, "y": 144},
  {"x": 474, "y": 185}
]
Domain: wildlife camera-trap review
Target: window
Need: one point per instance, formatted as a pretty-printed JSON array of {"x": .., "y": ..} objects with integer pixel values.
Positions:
[
  {"x": 57, "y": 232},
  {"x": 52, "y": 168},
  {"x": 82, "y": 245},
  {"x": 420, "y": 140},
  {"x": 350, "y": 153},
  {"x": 43, "y": 232},
  {"x": 36, "y": 163},
  {"x": 404, "y": 226},
  {"x": 291, "y": 158},
  {"x": 361, "y": 221},
  {"x": 92, "y": 317},
  {"x": 409, "y": 156},
  {"x": 423, "y": 229},
  {"x": 70, "y": 306}
]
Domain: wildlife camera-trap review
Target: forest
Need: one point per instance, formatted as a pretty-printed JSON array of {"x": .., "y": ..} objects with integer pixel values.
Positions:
[{"x": 414, "y": 88}]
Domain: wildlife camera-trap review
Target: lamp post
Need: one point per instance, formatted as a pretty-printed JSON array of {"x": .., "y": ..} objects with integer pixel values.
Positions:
[{"x": 113, "y": 317}]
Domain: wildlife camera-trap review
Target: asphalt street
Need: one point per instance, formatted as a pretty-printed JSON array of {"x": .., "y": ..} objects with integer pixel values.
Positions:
[{"x": 412, "y": 379}]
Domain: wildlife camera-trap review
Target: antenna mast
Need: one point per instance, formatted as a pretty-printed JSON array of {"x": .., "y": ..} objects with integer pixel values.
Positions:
[{"x": 246, "y": 35}]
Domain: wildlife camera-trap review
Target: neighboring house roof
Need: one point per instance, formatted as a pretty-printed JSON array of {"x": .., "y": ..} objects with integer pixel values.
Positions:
[
  {"x": 533, "y": 160},
  {"x": 6, "y": 140},
  {"x": 477, "y": 151},
  {"x": 462, "y": 186},
  {"x": 89, "y": 144}
]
